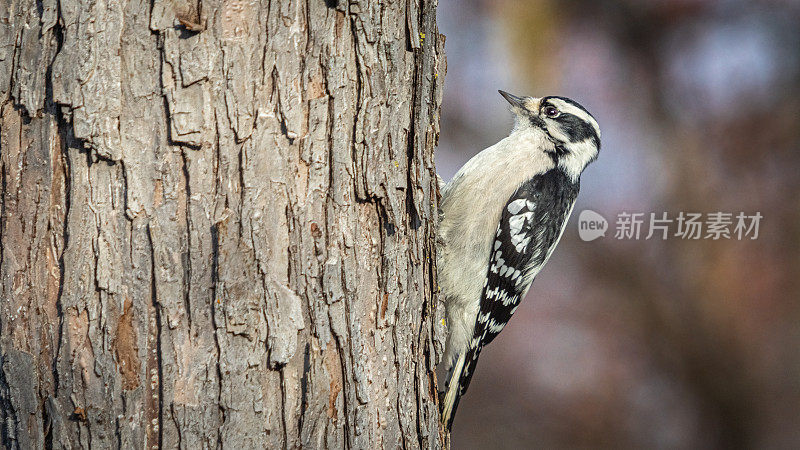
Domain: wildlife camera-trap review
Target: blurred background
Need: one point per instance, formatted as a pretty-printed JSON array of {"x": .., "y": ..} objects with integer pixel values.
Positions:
[{"x": 644, "y": 343}]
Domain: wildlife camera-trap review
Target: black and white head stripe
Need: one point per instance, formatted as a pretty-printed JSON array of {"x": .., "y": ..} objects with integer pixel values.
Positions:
[
  {"x": 530, "y": 226},
  {"x": 574, "y": 123},
  {"x": 574, "y": 131}
]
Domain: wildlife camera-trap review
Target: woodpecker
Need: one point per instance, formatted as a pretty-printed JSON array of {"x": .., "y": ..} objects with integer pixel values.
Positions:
[{"x": 501, "y": 216}]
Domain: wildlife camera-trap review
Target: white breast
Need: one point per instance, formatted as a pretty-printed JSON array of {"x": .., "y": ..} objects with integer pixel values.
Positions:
[{"x": 472, "y": 203}]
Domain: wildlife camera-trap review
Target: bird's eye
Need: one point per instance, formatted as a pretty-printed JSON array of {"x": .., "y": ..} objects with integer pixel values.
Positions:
[{"x": 550, "y": 111}]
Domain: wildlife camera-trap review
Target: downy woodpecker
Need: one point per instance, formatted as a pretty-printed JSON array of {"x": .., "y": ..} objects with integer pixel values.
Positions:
[{"x": 502, "y": 215}]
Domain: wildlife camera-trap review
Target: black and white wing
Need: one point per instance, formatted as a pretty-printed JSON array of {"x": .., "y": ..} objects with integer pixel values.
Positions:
[{"x": 529, "y": 229}]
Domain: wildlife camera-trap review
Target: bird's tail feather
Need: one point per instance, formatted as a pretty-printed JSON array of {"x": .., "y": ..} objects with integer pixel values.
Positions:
[{"x": 452, "y": 396}]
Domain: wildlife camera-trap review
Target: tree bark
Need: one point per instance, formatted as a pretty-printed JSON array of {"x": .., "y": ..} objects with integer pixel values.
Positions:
[{"x": 217, "y": 224}]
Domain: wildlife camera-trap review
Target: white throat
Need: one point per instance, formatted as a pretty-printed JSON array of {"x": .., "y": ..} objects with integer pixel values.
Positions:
[{"x": 579, "y": 156}]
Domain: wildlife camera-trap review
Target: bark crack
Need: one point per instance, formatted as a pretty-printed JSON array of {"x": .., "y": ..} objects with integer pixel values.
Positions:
[
  {"x": 356, "y": 117},
  {"x": 65, "y": 131},
  {"x": 304, "y": 387},
  {"x": 188, "y": 275},
  {"x": 214, "y": 302},
  {"x": 345, "y": 408},
  {"x": 159, "y": 324}
]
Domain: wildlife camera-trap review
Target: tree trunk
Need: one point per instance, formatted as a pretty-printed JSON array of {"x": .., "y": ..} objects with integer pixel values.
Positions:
[{"x": 217, "y": 224}]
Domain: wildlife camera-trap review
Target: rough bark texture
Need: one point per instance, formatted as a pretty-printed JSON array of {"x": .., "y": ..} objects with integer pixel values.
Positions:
[{"x": 217, "y": 223}]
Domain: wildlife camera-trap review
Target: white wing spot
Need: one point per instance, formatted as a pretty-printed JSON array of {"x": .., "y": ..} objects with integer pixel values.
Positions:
[
  {"x": 518, "y": 235},
  {"x": 522, "y": 245},
  {"x": 515, "y": 206},
  {"x": 516, "y": 223}
]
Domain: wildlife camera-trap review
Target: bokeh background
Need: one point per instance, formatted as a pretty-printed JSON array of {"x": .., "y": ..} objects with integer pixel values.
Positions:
[{"x": 644, "y": 343}]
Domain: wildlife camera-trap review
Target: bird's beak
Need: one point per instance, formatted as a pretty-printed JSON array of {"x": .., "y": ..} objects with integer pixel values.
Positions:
[{"x": 519, "y": 102}]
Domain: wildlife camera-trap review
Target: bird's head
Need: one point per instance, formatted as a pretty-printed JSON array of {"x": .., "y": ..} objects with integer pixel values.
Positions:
[{"x": 570, "y": 128}]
